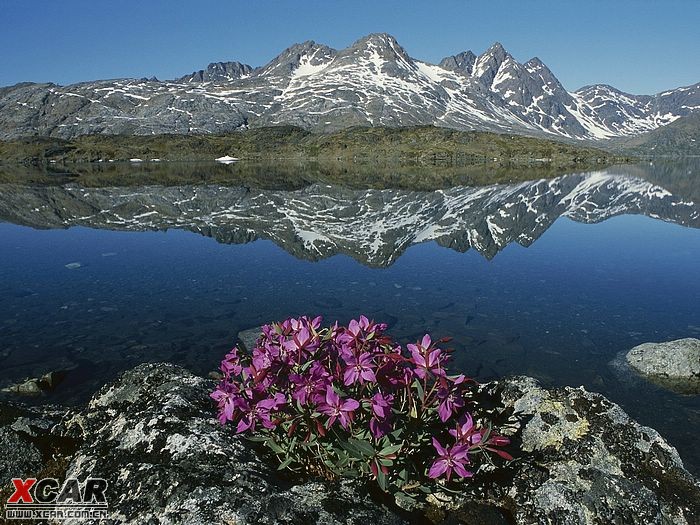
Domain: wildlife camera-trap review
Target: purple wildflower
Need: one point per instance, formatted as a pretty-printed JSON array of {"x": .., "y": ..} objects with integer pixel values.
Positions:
[
  {"x": 454, "y": 458},
  {"x": 309, "y": 385},
  {"x": 231, "y": 364},
  {"x": 381, "y": 405},
  {"x": 425, "y": 359},
  {"x": 450, "y": 402},
  {"x": 260, "y": 411},
  {"x": 465, "y": 432},
  {"x": 337, "y": 409},
  {"x": 227, "y": 396},
  {"x": 359, "y": 369}
]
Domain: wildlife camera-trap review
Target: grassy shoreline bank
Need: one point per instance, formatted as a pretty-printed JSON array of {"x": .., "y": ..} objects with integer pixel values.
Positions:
[{"x": 425, "y": 145}]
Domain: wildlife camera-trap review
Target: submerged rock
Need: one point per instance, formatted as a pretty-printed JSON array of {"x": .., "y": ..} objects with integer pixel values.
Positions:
[
  {"x": 153, "y": 435},
  {"x": 33, "y": 441},
  {"x": 38, "y": 385},
  {"x": 249, "y": 337},
  {"x": 674, "y": 364}
]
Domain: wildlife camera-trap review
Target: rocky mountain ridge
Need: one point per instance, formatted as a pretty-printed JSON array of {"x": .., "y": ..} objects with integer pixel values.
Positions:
[{"x": 373, "y": 82}]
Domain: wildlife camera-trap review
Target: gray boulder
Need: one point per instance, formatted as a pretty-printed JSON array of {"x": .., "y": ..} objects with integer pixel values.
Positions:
[
  {"x": 249, "y": 338},
  {"x": 582, "y": 461},
  {"x": 152, "y": 434},
  {"x": 673, "y": 364}
]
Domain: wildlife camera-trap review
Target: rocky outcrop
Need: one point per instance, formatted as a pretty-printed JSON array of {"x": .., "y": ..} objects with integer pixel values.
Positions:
[
  {"x": 582, "y": 460},
  {"x": 153, "y": 436},
  {"x": 33, "y": 441},
  {"x": 674, "y": 364}
]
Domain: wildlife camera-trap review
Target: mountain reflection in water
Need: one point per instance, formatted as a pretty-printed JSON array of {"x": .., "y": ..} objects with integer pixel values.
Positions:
[{"x": 373, "y": 226}]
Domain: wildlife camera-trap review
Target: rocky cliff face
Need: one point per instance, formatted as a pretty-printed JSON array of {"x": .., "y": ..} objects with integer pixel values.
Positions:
[
  {"x": 373, "y": 226},
  {"x": 372, "y": 82},
  {"x": 152, "y": 434}
]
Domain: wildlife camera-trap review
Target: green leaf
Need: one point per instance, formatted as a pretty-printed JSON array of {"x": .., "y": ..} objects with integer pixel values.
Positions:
[
  {"x": 365, "y": 447},
  {"x": 418, "y": 386},
  {"x": 382, "y": 480},
  {"x": 285, "y": 463},
  {"x": 274, "y": 446},
  {"x": 410, "y": 500},
  {"x": 390, "y": 450},
  {"x": 396, "y": 434}
]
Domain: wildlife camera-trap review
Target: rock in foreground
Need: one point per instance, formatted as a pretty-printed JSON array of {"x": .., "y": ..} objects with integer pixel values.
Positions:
[
  {"x": 674, "y": 364},
  {"x": 584, "y": 461},
  {"x": 152, "y": 434}
]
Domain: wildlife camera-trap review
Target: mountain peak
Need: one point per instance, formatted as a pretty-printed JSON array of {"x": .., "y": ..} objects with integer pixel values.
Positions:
[
  {"x": 496, "y": 49},
  {"x": 534, "y": 63},
  {"x": 376, "y": 39},
  {"x": 461, "y": 63},
  {"x": 383, "y": 44},
  {"x": 488, "y": 64},
  {"x": 219, "y": 72},
  {"x": 537, "y": 67},
  {"x": 290, "y": 58}
]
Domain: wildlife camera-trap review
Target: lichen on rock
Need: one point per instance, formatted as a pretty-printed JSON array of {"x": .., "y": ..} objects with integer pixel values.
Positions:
[{"x": 153, "y": 435}]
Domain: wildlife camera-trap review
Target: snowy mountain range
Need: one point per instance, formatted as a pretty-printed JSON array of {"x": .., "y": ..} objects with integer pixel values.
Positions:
[
  {"x": 373, "y": 82},
  {"x": 373, "y": 226}
]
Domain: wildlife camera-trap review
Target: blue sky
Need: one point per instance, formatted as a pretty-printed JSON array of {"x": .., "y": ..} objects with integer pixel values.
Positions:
[{"x": 642, "y": 46}]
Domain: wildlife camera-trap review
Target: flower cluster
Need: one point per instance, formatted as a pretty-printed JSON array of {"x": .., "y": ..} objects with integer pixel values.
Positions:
[{"x": 348, "y": 401}]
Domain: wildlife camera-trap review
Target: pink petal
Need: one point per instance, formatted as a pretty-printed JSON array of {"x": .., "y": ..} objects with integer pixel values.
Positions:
[
  {"x": 350, "y": 405},
  {"x": 459, "y": 469},
  {"x": 438, "y": 468},
  {"x": 440, "y": 449}
]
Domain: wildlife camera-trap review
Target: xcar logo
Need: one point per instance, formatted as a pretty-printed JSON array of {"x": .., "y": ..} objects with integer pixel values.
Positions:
[{"x": 48, "y": 499}]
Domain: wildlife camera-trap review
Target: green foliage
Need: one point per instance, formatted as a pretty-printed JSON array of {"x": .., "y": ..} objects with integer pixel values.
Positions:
[{"x": 422, "y": 145}]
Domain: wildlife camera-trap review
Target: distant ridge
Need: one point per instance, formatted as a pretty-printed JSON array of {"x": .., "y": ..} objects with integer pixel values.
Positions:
[{"x": 373, "y": 82}]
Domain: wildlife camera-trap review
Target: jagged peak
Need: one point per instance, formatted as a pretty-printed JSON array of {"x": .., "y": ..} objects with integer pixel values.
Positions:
[
  {"x": 219, "y": 71},
  {"x": 535, "y": 62},
  {"x": 462, "y": 62},
  {"x": 496, "y": 46},
  {"x": 536, "y": 67},
  {"x": 383, "y": 43},
  {"x": 290, "y": 58},
  {"x": 487, "y": 65},
  {"x": 599, "y": 87},
  {"x": 375, "y": 38}
]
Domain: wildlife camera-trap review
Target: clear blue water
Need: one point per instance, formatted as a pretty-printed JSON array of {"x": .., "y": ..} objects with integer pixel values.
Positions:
[{"x": 559, "y": 310}]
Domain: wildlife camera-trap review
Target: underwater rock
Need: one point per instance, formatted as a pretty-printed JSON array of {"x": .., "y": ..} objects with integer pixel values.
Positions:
[
  {"x": 37, "y": 386},
  {"x": 249, "y": 337}
]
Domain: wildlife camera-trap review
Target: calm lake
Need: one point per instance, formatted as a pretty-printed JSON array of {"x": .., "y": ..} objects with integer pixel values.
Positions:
[{"x": 552, "y": 278}]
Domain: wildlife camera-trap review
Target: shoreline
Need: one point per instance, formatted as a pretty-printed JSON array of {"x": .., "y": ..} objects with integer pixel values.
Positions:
[{"x": 578, "y": 455}]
